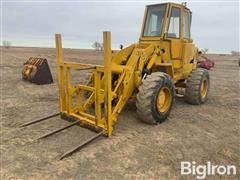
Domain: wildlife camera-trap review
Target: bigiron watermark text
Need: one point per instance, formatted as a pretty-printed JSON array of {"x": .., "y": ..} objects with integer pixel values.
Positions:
[{"x": 208, "y": 169}]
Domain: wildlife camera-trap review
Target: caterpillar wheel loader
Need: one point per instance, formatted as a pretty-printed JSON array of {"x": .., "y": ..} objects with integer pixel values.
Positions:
[{"x": 162, "y": 63}]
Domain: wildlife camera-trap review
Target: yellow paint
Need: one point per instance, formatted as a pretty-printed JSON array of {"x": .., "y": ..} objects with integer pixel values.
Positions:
[
  {"x": 204, "y": 88},
  {"x": 61, "y": 78},
  {"x": 164, "y": 100}
]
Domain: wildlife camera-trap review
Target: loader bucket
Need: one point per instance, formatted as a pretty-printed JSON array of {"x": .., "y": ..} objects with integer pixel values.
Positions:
[{"x": 36, "y": 70}]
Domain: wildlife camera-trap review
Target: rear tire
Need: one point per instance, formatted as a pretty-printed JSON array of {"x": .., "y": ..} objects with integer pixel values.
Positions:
[
  {"x": 155, "y": 98},
  {"x": 197, "y": 86}
]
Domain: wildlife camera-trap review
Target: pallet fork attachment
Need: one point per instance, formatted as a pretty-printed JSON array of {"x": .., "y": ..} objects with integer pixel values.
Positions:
[
  {"x": 99, "y": 93},
  {"x": 66, "y": 91}
]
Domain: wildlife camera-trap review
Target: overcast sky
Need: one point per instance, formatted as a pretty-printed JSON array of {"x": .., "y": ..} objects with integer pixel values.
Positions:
[{"x": 215, "y": 25}]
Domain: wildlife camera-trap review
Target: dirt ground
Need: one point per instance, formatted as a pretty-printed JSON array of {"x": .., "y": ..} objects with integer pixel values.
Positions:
[{"x": 209, "y": 132}]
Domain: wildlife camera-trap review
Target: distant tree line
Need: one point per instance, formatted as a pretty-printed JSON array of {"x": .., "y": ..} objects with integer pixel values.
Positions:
[
  {"x": 6, "y": 44},
  {"x": 97, "y": 46},
  {"x": 235, "y": 53}
]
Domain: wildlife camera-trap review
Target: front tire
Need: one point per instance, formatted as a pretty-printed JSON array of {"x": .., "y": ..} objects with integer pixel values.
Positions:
[{"x": 155, "y": 98}]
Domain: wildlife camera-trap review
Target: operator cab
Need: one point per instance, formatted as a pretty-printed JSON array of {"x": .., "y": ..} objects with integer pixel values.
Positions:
[{"x": 164, "y": 21}]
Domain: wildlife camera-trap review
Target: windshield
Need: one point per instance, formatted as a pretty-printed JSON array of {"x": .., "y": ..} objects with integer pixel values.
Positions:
[{"x": 154, "y": 20}]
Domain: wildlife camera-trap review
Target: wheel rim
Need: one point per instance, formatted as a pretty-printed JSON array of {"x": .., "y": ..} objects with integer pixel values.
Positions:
[
  {"x": 204, "y": 88},
  {"x": 164, "y": 100}
]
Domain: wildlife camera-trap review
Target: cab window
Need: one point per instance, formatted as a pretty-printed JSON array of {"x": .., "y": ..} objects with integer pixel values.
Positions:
[
  {"x": 174, "y": 24},
  {"x": 154, "y": 20},
  {"x": 186, "y": 33}
]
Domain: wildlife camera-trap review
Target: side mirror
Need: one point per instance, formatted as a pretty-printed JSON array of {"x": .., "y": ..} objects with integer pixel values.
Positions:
[{"x": 121, "y": 46}]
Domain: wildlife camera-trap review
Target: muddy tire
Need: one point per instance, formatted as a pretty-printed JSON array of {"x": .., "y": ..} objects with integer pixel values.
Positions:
[
  {"x": 155, "y": 98},
  {"x": 197, "y": 86}
]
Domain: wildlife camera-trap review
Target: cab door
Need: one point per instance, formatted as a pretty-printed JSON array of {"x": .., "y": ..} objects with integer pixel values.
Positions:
[
  {"x": 174, "y": 34},
  {"x": 188, "y": 46}
]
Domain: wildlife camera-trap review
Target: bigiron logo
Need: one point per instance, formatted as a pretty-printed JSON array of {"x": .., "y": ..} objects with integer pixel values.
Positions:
[{"x": 201, "y": 171}]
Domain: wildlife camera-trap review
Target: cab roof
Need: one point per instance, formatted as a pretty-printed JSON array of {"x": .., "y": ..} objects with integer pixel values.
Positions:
[{"x": 169, "y": 4}]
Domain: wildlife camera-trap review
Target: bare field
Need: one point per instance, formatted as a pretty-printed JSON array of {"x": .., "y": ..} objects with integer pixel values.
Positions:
[{"x": 209, "y": 132}]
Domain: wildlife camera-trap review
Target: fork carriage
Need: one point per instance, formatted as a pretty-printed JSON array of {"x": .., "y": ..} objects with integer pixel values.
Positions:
[{"x": 101, "y": 92}]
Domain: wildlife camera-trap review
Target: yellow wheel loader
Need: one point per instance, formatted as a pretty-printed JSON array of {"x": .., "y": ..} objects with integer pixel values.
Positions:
[{"x": 161, "y": 63}]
